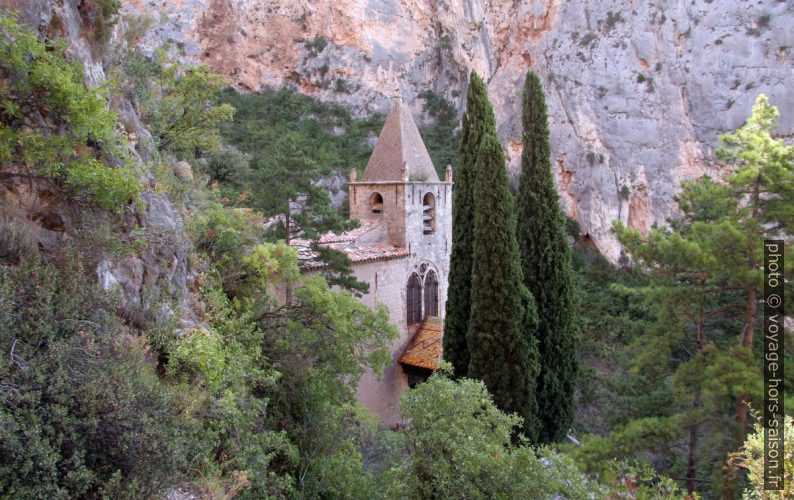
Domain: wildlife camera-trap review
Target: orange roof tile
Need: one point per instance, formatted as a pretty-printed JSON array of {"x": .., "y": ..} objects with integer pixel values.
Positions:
[
  {"x": 424, "y": 350},
  {"x": 357, "y": 251}
]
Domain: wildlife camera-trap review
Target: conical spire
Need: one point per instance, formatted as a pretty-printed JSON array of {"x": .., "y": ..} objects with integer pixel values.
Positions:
[{"x": 400, "y": 146}]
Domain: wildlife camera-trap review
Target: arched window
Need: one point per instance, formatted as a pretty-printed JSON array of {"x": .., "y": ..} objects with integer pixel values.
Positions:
[
  {"x": 429, "y": 213},
  {"x": 413, "y": 301},
  {"x": 431, "y": 294},
  {"x": 376, "y": 203}
]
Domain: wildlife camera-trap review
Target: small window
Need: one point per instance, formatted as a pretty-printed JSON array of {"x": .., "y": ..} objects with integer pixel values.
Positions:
[
  {"x": 376, "y": 203},
  {"x": 413, "y": 301},
  {"x": 429, "y": 213},
  {"x": 431, "y": 294}
]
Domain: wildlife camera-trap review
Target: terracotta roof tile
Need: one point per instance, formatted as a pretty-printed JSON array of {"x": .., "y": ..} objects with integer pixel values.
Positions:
[
  {"x": 347, "y": 243},
  {"x": 424, "y": 350}
]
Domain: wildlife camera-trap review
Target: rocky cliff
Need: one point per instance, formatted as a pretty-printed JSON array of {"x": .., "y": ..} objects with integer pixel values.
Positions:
[
  {"x": 638, "y": 92},
  {"x": 155, "y": 264}
]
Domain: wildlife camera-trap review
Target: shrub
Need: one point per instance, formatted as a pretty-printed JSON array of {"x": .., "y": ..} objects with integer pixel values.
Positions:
[
  {"x": 82, "y": 413},
  {"x": 53, "y": 128},
  {"x": 179, "y": 104},
  {"x": 612, "y": 19},
  {"x": 100, "y": 16},
  {"x": 459, "y": 446},
  {"x": 587, "y": 39}
]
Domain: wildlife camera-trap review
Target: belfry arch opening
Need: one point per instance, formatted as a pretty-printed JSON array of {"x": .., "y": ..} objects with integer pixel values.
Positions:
[
  {"x": 429, "y": 214},
  {"x": 376, "y": 203}
]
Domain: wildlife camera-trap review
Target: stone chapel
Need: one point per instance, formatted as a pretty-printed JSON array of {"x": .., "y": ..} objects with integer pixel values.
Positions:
[{"x": 402, "y": 250}]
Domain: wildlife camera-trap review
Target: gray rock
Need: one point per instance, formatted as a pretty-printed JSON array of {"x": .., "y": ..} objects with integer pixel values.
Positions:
[{"x": 637, "y": 92}]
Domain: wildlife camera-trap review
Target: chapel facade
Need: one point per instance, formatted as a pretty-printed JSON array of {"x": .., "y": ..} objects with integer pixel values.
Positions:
[{"x": 402, "y": 250}]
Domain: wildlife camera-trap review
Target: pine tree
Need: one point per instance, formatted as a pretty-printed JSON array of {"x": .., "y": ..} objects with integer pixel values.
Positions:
[
  {"x": 477, "y": 120},
  {"x": 546, "y": 264},
  {"x": 501, "y": 354},
  {"x": 711, "y": 258}
]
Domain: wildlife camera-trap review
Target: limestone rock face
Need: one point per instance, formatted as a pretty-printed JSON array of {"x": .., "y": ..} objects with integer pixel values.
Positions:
[
  {"x": 162, "y": 266},
  {"x": 637, "y": 92},
  {"x": 38, "y": 220}
]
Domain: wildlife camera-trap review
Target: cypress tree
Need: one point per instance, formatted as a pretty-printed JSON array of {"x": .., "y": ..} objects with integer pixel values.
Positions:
[
  {"x": 546, "y": 264},
  {"x": 502, "y": 355},
  {"x": 477, "y": 120}
]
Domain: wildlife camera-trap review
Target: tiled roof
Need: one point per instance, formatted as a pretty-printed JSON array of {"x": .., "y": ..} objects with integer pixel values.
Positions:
[
  {"x": 352, "y": 235},
  {"x": 400, "y": 143},
  {"x": 424, "y": 350},
  {"x": 348, "y": 243}
]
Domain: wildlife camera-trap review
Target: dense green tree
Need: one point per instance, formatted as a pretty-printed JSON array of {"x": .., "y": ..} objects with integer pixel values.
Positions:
[
  {"x": 546, "y": 263},
  {"x": 440, "y": 137},
  {"x": 295, "y": 142},
  {"x": 54, "y": 130},
  {"x": 710, "y": 260},
  {"x": 478, "y": 120},
  {"x": 501, "y": 353},
  {"x": 82, "y": 412},
  {"x": 180, "y": 105},
  {"x": 274, "y": 369},
  {"x": 459, "y": 445}
]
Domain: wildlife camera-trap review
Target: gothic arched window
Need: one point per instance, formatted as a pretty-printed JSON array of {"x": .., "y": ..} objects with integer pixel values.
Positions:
[
  {"x": 413, "y": 302},
  {"x": 376, "y": 203},
  {"x": 431, "y": 294},
  {"x": 429, "y": 214}
]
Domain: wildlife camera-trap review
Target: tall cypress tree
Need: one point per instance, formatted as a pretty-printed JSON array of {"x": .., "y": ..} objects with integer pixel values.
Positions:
[
  {"x": 502, "y": 355},
  {"x": 546, "y": 263},
  {"x": 477, "y": 120}
]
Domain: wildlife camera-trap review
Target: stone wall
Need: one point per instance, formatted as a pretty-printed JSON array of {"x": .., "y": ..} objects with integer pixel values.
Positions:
[{"x": 388, "y": 279}]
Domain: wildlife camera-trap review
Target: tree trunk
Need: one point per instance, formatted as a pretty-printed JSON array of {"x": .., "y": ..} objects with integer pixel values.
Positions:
[
  {"x": 691, "y": 462},
  {"x": 287, "y": 229},
  {"x": 750, "y": 309}
]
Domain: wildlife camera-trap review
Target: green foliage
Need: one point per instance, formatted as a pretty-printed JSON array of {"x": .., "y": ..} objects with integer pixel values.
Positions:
[
  {"x": 459, "y": 446},
  {"x": 53, "y": 128},
  {"x": 478, "y": 120},
  {"x": 546, "y": 265},
  {"x": 707, "y": 294},
  {"x": 293, "y": 143},
  {"x": 750, "y": 458},
  {"x": 81, "y": 409},
  {"x": 101, "y": 16},
  {"x": 441, "y": 139},
  {"x": 223, "y": 235},
  {"x": 229, "y": 168},
  {"x": 180, "y": 105},
  {"x": 502, "y": 348},
  {"x": 282, "y": 374}
]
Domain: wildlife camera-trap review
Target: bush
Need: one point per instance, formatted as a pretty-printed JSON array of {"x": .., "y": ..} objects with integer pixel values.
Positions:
[
  {"x": 81, "y": 413},
  {"x": 101, "y": 16},
  {"x": 459, "y": 446},
  {"x": 53, "y": 128},
  {"x": 180, "y": 105}
]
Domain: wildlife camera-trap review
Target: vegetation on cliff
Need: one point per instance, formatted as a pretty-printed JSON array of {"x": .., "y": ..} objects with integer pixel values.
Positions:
[{"x": 221, "y": 390}]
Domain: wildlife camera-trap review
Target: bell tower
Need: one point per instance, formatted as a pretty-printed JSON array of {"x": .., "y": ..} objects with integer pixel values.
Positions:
[{"x": 401, "y": 188}]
